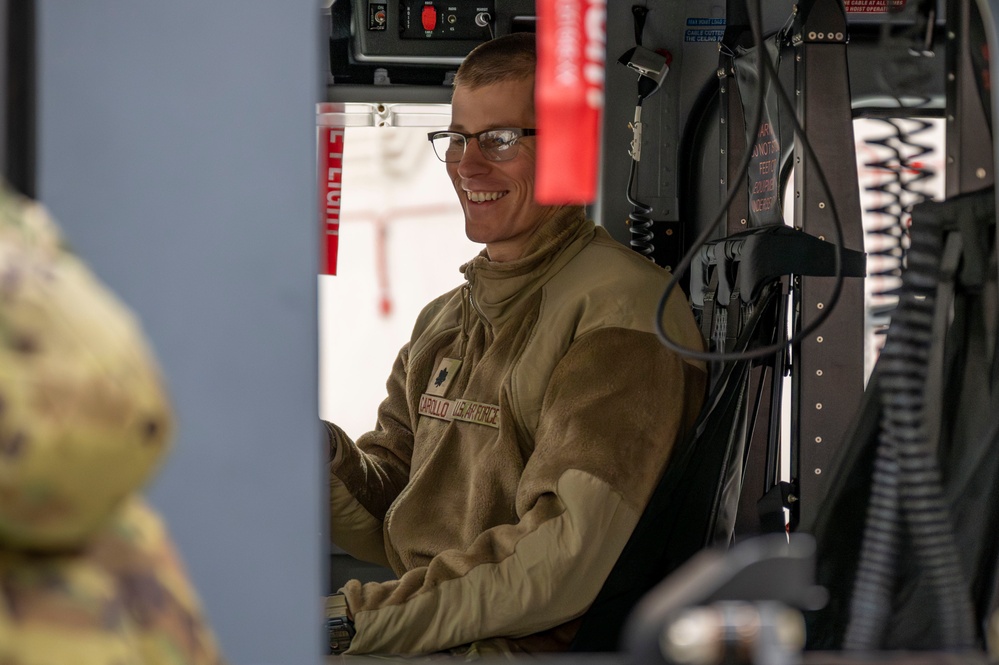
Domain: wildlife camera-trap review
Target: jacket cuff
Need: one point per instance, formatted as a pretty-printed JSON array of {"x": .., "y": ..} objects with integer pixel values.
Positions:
[{"x": 335, "y": 437}]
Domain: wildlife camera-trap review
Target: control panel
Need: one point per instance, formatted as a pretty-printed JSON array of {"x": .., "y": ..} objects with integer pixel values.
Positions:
[
  {"x": 430, "y": 32},
  {"x": 427, "y": 19}
]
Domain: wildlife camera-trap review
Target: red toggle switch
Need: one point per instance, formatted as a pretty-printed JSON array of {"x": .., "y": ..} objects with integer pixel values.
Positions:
[{"x": 429, "y": 17}]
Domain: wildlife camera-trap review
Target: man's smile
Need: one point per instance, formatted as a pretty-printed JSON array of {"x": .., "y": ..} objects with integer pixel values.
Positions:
[{"x": 482, "y": 197}]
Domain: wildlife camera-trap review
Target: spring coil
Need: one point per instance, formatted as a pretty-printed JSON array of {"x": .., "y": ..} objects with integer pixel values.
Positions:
[
  {"x": 907, "y": 489},
  {"x": 903, "y": 167},
  {"x": 904, "y": 150},
  {"x": 639, "y": 220}
]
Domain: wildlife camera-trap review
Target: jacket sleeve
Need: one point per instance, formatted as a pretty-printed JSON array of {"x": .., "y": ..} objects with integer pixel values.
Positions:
[
  {"x": 367, "y": 476},
  {"x": 614, "y": 407}
]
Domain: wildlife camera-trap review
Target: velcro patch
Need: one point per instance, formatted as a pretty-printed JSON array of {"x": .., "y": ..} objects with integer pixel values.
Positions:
[
  {"x": 459, "y": 409},
  {"x": 436, "y": 407},
  {"x": 441, "y": 379}
]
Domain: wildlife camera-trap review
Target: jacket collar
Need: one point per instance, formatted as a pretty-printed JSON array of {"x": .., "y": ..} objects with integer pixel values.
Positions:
[{"x": 496, "y": 288}]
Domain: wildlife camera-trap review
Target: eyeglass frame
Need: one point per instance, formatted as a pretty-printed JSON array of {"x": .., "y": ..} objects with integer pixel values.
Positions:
[{"x": 523, "y": 131}]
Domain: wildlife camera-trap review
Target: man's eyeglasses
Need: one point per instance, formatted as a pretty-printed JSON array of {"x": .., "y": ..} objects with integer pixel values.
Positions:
[{"x": 497, "y": 145}]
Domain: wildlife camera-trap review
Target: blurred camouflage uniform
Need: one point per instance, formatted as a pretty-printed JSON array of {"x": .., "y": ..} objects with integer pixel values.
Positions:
[{"x": 88, "y": 574}]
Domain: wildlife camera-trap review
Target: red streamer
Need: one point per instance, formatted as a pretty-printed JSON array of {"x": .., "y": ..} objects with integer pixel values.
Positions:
[{"x": 569, "y": 99}]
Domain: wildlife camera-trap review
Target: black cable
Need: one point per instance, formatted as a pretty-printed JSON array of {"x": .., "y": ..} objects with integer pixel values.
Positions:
[
  {"x": 640, "y": 218},
  {"x": 907, "y": 481},
  {"x": 765, "y": 70},
  {"x": 485, "y": 20},
  {"x": 640, "y": 222},
  {"x": 640, "y": 13}
]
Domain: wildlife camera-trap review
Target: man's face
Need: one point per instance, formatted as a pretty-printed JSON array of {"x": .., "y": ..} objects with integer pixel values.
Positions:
[{"x": 497, "y": 197}]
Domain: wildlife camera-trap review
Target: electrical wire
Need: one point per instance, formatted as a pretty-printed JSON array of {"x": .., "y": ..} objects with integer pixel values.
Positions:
[
  {"x": 639, "y": 219},
  {"x": 485, "y": 20},
  {"x": 765, "y": 71},
  {"x": 640, "y": 222}
]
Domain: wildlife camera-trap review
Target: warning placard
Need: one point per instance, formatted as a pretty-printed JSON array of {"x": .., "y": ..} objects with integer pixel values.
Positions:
[
  {"x": 763, "y": 170},
  {"x": 873, "y": 6},
  {"x": 330, "y": 189}
]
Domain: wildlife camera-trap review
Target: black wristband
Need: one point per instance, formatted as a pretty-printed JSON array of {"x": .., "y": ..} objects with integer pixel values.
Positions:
[{"x": 338, "y": 625}]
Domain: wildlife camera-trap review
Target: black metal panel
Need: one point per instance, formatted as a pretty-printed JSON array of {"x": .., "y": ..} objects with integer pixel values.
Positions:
[
  {"x": 733, "y": 147},
  {"x": 19, "y": 164},
  {"x": 969, "y": 145},
  {"x": 828, "y": 366}
]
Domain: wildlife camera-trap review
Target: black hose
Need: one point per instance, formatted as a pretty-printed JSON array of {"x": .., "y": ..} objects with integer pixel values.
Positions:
[{"x": 907, "y": 488}]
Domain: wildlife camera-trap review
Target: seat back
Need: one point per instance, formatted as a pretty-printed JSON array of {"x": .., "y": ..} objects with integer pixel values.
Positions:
[{"x": 694, "y": 504}]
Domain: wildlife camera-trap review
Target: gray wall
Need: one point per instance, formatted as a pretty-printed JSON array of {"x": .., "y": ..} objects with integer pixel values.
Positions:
[{"x": 177, "y": 149}]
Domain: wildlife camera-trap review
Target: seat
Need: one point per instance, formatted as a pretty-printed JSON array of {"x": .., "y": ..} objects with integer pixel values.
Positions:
[
  {"x": 695, "y": 504},
  {"x": 908, "y": 545}
]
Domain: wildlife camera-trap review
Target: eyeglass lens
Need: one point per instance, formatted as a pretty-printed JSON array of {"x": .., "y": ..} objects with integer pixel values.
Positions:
[{"x": 496, "y": 145}]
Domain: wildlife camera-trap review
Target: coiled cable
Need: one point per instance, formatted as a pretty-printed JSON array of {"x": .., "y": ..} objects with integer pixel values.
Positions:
[
  {"x": 640, "y": 218},
  {"x": 907, "y": 488},
  {"x": 640, "y": 222}
]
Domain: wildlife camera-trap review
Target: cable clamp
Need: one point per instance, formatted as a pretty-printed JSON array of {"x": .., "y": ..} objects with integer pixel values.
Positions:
[{"x": 636, "y": 137}]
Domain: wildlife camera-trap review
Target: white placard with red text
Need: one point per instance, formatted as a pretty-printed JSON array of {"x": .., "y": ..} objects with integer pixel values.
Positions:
[{"x": 330, "y": 194}]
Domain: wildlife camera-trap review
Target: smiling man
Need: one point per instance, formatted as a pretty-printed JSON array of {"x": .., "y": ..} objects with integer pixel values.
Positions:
[
  {"x": 528, "y": 419},
  {"x": 494, "y": 174}
]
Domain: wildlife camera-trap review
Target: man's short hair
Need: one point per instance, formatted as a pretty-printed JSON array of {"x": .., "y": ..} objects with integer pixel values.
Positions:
[{"x": 506, "y": 58}]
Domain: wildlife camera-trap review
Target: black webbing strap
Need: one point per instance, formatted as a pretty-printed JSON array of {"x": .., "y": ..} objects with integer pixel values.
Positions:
[
  {"x": 949, "y": 264},
  {"x": 708, "y": 313}
]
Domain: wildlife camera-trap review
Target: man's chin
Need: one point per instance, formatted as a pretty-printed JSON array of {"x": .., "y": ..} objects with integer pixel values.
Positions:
[
  {"x": 477, "y": 233},
  {"x": 479, "y": 239}
]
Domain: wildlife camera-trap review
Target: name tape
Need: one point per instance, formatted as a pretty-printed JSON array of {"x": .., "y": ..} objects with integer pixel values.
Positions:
[{"x": 459, "y": 409}]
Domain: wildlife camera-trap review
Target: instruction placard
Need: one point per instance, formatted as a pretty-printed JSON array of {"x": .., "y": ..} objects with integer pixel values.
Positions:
[
  {"x": 702, "y": 29},
  {"x": 873, "y": 6},
  {"x": 763, "y": 169}
]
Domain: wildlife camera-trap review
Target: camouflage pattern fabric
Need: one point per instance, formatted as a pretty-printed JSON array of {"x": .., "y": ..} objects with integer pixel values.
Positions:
[
  {"x": 88, "y": 574},
  {"x": 124, "y": 599}
]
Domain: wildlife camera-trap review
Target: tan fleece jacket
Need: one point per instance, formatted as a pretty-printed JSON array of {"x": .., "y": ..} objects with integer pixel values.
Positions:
[{"x": 526, "y": 424}]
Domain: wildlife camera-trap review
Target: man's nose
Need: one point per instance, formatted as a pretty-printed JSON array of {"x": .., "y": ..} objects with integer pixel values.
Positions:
[{"x": 472, "y": 161}]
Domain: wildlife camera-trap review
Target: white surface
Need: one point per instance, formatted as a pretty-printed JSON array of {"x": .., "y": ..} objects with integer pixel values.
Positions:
[{"x": 392, "y": 183}]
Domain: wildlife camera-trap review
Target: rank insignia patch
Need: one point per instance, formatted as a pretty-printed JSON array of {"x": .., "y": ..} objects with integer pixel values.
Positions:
[{"x": 442, "y": 376}]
